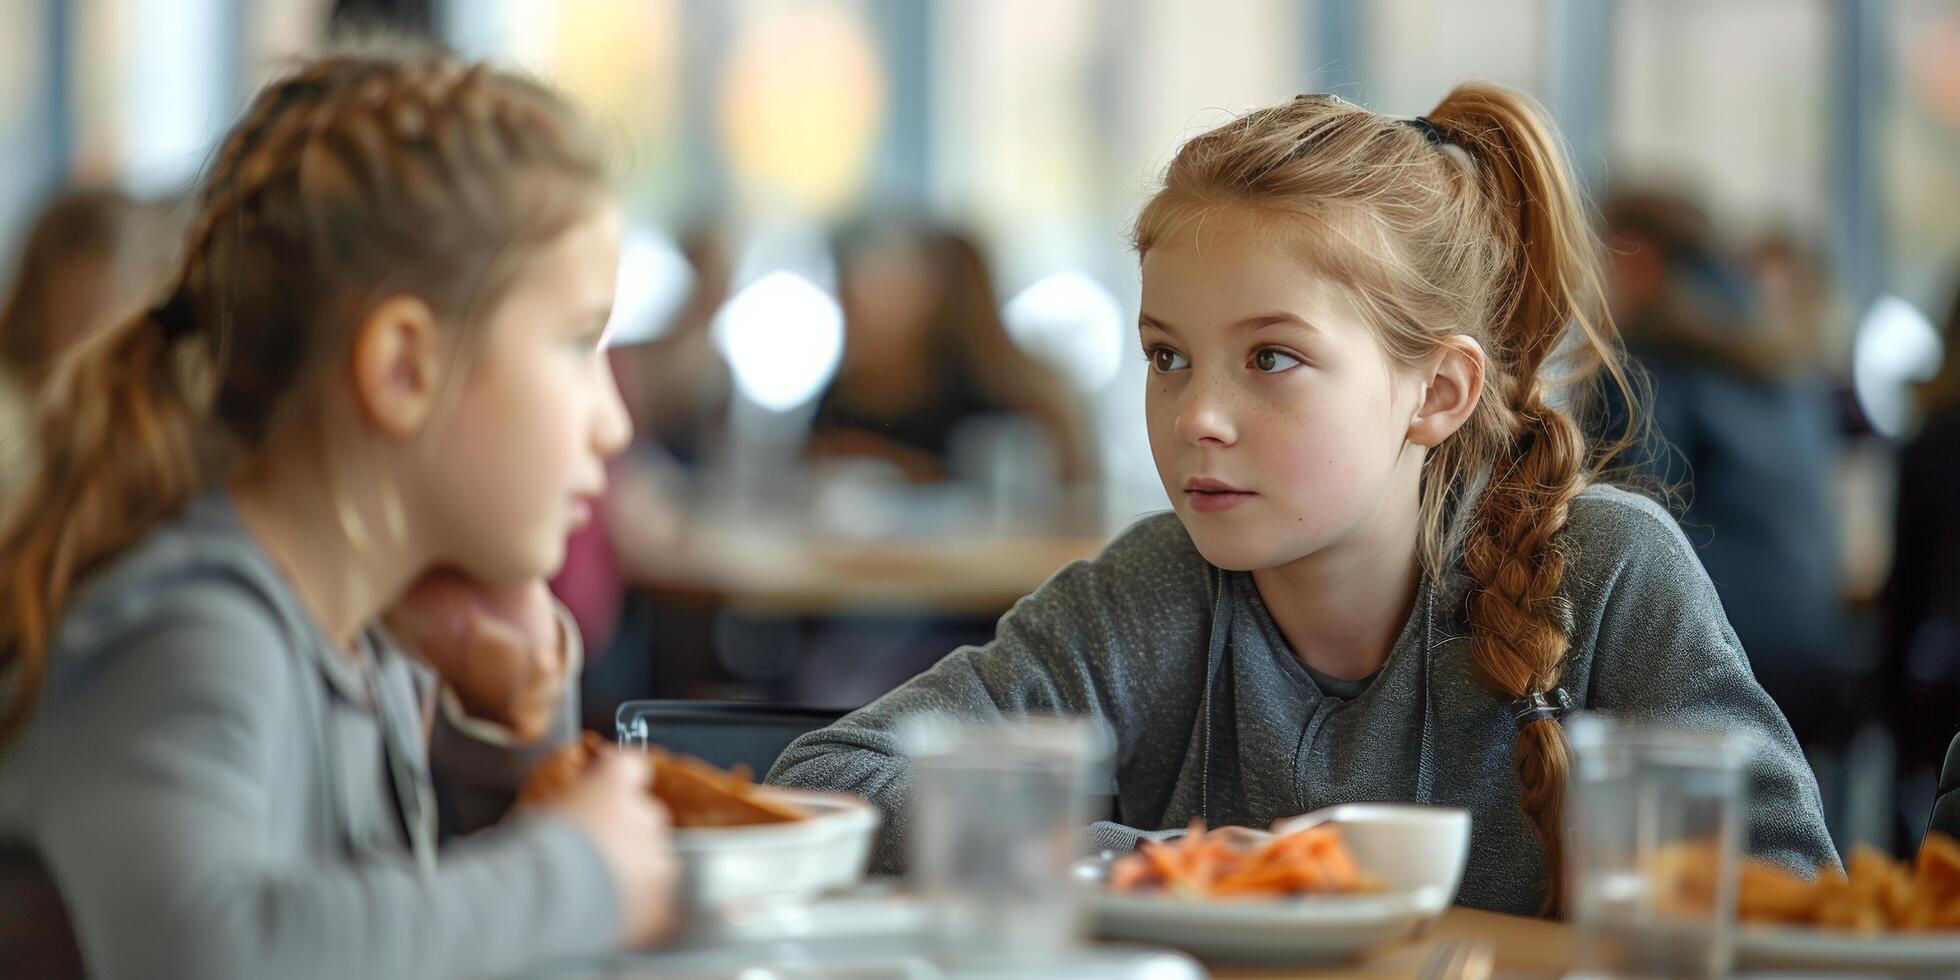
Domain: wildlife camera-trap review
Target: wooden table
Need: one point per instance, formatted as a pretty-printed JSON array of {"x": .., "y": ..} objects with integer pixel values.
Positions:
[
  {"x": 1525, "y": 948},
  {"x": 759, "y": 573}
]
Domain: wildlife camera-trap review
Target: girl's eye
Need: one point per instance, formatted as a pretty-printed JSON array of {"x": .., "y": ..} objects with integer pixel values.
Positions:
[
  {"x": 1165, "y": 360},
  {"x": 1272, "y": 361}
]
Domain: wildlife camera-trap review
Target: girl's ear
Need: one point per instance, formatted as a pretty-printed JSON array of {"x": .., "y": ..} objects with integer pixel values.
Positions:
[
  {"x": 1450, "y": 392},
  {"x": 395, "y": 365}
]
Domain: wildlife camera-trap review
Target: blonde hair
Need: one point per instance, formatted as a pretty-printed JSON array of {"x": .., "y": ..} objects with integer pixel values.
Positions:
[
  {"x": 1467, "y": 221},
  {"x": 359, "y": 176}
]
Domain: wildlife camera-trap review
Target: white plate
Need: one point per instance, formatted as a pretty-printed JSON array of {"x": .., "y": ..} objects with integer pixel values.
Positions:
[
  {"x": 825, "y": 851},
  {"x": 1417, "y": 852},
  {"x": 1314, "y": 929},
  {"x": 1787, "y": 947}
]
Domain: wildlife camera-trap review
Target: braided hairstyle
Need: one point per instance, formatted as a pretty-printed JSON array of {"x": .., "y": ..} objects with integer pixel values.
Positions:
[
  {"x": 360, "y": 176},
  {"x": 1466, "y": 222}
]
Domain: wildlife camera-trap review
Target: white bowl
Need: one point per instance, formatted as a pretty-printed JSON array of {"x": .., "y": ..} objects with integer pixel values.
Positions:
[
  {"x": 1407, "y": 847},
  {"x": 1418, "y": 853},
  {"x": 826, "y": 851}
]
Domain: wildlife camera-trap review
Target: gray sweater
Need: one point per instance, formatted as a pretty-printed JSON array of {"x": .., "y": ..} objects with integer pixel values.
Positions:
[
  {"x": 217, "y": 792},
  {"x": 1213, "y": 716}
]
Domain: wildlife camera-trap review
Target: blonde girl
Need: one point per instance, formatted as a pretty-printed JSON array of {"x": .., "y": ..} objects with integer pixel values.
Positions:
[{"x": 1392, "y": 567}]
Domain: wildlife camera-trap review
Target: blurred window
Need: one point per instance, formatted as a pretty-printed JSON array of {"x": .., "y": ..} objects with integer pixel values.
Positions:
[
  {"x": 24, "y": 124},
  {"x": 154, "y": 87},
  {"x": 1732, "y": 100},
  {"x": 1919, "y": 151},
  {"x": 1493, "y": 40}
]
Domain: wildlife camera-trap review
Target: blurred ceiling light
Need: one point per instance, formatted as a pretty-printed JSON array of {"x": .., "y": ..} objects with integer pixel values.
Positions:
[
  {"x": 803, "y": 100},
  {"x": 654, "y": 280},
  {"x": 1073, "y": 323},
  {"x": 620, "y": 58},
  {"x": 783, "y": 337},
  {"x": 1896, "y": 346}
]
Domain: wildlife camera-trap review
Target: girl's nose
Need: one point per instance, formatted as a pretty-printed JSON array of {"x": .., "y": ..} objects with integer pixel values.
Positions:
[
  {"x": 1204, "y": 414},
  {"x": 614, "y": 429}
]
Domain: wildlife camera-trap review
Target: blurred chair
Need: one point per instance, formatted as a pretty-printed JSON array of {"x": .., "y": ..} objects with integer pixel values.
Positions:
[
  {"x": 1946, "y": 805},
  {"x": 726, "y": 733},
  {"x": 36, "y": 938}
]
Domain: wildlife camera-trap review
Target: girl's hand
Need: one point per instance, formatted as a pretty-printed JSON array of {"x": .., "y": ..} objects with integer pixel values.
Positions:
[
  {"x": 609, "y": 799},
  {"x": 499, "y": 648}
]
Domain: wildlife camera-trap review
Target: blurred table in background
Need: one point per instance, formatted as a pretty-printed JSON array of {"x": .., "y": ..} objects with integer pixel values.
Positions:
[
  {"x": 765, "y": 573},
  {"x": 772, "y": 608}
]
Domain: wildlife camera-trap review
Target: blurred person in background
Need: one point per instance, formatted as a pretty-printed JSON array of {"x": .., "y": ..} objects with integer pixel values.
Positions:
[
  {"x": 1921, "y": 671},
  {"x": 677, "y": 386},
  {"x": 925, "y": 352},
  {"x": 1742, "y": 432},
  {"x": 89, "y": 258},
  {"x": 1791, "y": 282},
  {"x": 932, "y": 386}
]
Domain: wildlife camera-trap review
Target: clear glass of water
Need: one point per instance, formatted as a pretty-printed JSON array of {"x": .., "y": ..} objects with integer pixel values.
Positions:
[
  {"x": 997, "y": 809},
  {"x": 1656, "y": 825}
]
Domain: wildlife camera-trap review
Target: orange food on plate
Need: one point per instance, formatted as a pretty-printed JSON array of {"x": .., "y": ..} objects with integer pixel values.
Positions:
[
  {"x": 1220, "y": 864},
  {"x": 1874, "y": 894},
  {"x": 695, "y": 793}
]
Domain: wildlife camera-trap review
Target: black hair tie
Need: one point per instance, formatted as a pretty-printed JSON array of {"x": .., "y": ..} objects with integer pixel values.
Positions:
[
  {"x": 1540, "y": 706},
  {"x": 175, "y": 316},
  {"x": 1429, "y": 130}
]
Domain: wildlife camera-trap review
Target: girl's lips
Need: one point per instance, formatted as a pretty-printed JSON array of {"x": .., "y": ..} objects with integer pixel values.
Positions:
[
  {"x": 1212, "y": 501},
  {"x": 1205, "y": 484}
]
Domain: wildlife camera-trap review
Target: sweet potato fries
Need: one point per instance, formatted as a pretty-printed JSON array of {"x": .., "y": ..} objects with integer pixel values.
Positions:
[
  {"x": 696, "y": 793},
  {"x": 1877, "y": 895},
  {"x": 1221, "y": 864}
]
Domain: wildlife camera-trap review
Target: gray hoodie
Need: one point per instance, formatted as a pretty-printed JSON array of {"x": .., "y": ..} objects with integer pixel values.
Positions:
[
  {"x": 1213, "y": 716},
  {"x": 218, "y": 792}
]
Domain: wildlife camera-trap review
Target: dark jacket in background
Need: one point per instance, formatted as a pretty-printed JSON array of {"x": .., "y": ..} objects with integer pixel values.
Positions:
[
  {"x": 1750, "y": 457},
  {"x": 1922, "y": 610}
]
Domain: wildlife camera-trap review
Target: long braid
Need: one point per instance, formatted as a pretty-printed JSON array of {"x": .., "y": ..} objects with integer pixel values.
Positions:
[
  {"x": 1519, "y": 618},
  {"x": 1520, "y": 621}
]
